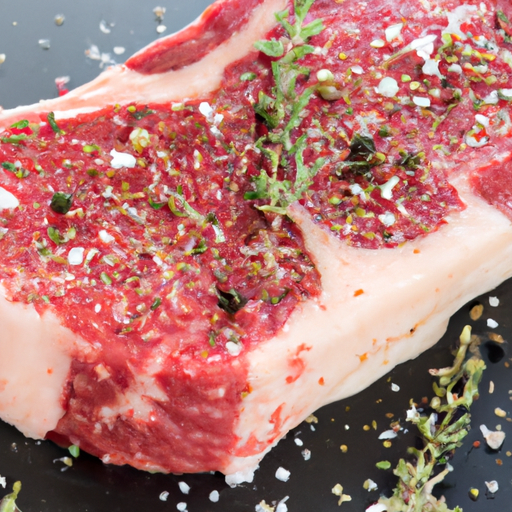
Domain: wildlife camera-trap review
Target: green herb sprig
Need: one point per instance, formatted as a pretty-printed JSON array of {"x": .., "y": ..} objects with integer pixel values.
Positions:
[
  {"x": 282, "y": 113},
  {"x": 442, "y": 432}
]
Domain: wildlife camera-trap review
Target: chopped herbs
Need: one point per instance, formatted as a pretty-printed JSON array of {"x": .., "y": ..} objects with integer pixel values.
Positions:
[
  {"x": 442, "y": 429},
  {"x": 61, "y": 202},
  {"x": 51, "y": 121}
]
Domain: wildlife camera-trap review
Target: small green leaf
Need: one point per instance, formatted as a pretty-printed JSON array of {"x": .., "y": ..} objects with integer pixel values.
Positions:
[
  {"x": 20, "y": 124},
  {"x": 156, "y": 303},
  {"x": 74, "y": 450},
  {"x": 14, "y": 139},
  {"x": 247, "y": 77},
  {"x": 383, "y": 464},
  {"x": 271, "y": 48},
  {"x": 61, "y": 202},
  {"x": 51, "y": 121},
  {"x": 106, "y": 278},
  {"x": 9, "y": 167},
  {"x": 55, "y": 235}
]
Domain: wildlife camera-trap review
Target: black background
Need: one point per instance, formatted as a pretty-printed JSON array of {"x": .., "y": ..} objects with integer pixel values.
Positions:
[{"x": 27, "y": 75}]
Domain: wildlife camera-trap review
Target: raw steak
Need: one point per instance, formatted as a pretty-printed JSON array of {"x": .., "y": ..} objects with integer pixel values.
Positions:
[{"x": 203, "y": 246}]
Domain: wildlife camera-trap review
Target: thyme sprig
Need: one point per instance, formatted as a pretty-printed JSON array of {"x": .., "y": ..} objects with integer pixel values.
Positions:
[
  {"x": 442, "y": 431},
  {"x": 282, "y": 112}
]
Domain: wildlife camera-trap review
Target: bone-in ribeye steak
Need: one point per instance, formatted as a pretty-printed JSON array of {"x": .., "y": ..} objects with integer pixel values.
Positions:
[{"x": 203, "y": 246}]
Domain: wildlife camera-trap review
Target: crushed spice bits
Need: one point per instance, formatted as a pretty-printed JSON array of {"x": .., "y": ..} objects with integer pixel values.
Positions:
[{"x": 145, "y": 236}]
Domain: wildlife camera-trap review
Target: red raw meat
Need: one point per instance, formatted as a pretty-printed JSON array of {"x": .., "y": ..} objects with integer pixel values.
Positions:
[{"x": 203, "y": 246}]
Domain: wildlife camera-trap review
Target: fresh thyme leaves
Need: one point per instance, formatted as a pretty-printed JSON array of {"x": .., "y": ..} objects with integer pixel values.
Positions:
[
  {"x": 61, "y": 202},
  {"x": 282, "y": 113},
  {"x": 442, "y": 431},
  {"x": 8, "y": 503}
]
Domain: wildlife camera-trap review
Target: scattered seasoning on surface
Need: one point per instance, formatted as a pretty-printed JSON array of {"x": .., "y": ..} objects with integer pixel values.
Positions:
[
  {"x": 344, "y": 448},
  {"x": 476, "y": 312},
  {"x": 44, "y": 44},
  {"x": 492, "y": 486},
  {"x": 214, "y": 496},
  {"x": 500, "y": 412},
  {"x": 2, "y": 58},
  {"x": 492, "y": 323},
  {"x": 59, "y": 19},
  {"x": 494, "y": 439},
  {"x": 163, "y": 496},
  {"x": 498, "y": 338},
  {"x": 311, "y": 419},
  {"x": 306, "y": 454},
  {"x": 182, "y": 506},
  {"x": 282, "y": 474},
  {"x": 370, "y": 485},
  {"x": 119, "y": 50},
  {"x": 3, "y": 483},
  {"x": 337, "y": 490},
  {"x": 395, "y": 387},
  {"x": 383, "y": 464},
  {"x": 473, "y": 493},
  {"x": 160, "y": 29},
  {"x": 494, "y": 302},
  {"x": 184, "y": 487}
]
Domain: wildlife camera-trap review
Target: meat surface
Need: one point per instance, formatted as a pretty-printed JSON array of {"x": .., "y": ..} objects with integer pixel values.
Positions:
[{"x": 198, "y": 299}]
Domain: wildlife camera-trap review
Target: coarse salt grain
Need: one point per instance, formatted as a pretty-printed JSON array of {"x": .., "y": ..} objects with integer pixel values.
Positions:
[
  {"x": 421, "y": 101},
  {"x": 282, "y": 474},
  {"x": 182, "y": 506},
  {"x": 120, "y": 160},
  {"x": 76, "y": 256},
  {"x": 184, "y": 487},
  {"x": 494, "y": 302},
  {"x": 388, "y": 87},
  {"x": 163, "y": 496},
  {"x": 395, "y": 387},
  {"x": 214, "y": 496},
  {"x": 306, "y": 454},
  {"x": 388, "y": 434},
  {"x": 3, "y": 483},
  {"x": 298, "y": 442},
  {"x": 492, "y": 323},
  {"x": 492, "y": 486}
]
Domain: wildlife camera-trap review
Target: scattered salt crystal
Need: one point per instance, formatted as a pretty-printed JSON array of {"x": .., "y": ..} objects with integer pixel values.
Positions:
[
  {"x": 184, "y": 487},
  {"x": 306, "y": 454},
  {"x": 160, "y": 29},
  {"x": 163, "y": 496},
  {"x": 76, "y": 256},
  {"x": 119, "y": 50},
  {"x": 491, "y": 387},
  {"x": 59, "y": 19},
  {"x": 298, "y": 442},
  {"x": 388, "y": 434},
  {"x": 395, "y": 387},
  {"x": 492, "y": 323},
  {"x": 393, "y": 31},
  {"x": 282, "y": 474},
  {"x": 44, "y": 44},
  {"x": 420, "y": 101},
  {"x": 120, "y": 160},
  {"x": 106, "y": 27},
  {"x": 233, "y": 348},
  {"x": 388, "y": 87},
  {"x": 493, "y": 439},
  {"x": 2, "y": 58},
  {"x": 97, "y": 308},
  {"x": 358, "y": 70},
  {"x": 3, "y": 483},
  {"x": 281, "y": 506},
  {"x": 494, "y": 302},
  {"x": 182, "y": 506},
  {"x": 7, "y": 200},
  {"x": 388, "y": 219},
  {"x": 106, "y": 237},
  {"x": 159, "y": 13},
  {"x": 492, "y": 486},
  {"x": 214, "y": 496}
]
